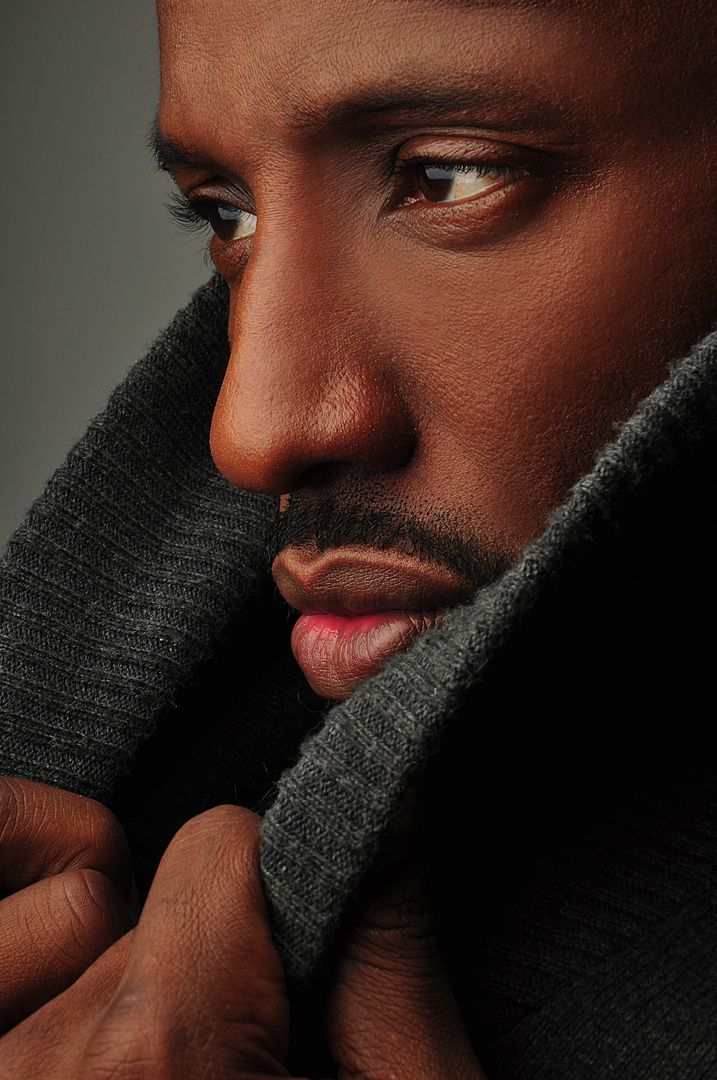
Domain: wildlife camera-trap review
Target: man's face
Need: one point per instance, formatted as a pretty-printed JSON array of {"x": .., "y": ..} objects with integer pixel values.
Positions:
[{"x": 426, "y": 355}]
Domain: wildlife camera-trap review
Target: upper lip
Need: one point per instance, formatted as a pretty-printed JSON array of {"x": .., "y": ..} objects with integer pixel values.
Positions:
[{"x": 361, "y": 581}]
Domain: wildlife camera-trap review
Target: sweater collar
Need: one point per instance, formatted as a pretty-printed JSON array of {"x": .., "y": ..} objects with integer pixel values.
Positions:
[{"x": 130, "y": 566}]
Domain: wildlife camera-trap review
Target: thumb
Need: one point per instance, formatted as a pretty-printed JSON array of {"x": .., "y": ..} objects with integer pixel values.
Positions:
[{"x": 391, "y": 1009}]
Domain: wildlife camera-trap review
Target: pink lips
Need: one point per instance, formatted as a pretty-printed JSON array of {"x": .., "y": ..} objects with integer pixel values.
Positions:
[
  {"x": 336, "y": 651},
  {"x": 359, "y": 606}
]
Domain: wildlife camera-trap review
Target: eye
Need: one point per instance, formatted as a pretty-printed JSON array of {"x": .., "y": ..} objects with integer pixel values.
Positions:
[
  {"x": 227, "y": 222},
  {"x": 454, "y": 181},
  {"x": 438, "y": 181}
]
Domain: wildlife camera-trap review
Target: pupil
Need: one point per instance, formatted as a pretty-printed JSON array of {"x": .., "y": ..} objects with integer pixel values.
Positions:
[
  {"x": 440, "y": 180},
  {"x": 224, "y": 221}
]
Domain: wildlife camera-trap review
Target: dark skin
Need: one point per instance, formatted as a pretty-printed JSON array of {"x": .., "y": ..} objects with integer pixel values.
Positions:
[
  {"x": 196, "y": 987},
  {"x": 468, "y": 357},
  {"x": 461, "y": 360}
]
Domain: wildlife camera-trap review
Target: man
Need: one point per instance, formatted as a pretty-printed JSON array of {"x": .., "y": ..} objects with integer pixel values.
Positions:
[{"x": 465, "y": 262}]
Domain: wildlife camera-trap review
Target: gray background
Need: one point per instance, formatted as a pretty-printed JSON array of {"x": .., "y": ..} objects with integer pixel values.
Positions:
[{"x": 92, "y": 265}]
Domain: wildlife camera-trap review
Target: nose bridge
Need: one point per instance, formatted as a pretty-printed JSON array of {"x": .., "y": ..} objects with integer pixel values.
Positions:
[{"x": 307, "y": 383}]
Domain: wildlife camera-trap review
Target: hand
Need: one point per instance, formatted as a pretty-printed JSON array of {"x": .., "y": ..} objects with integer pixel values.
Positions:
[
  {"x": 66, "y": 881},
  {"x": 197, "y": 989},
  {"x": 391, "y": 1009}
]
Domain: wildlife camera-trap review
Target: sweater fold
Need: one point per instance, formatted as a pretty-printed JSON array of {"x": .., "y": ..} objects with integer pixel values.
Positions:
[{"x": 557, "y": 725}]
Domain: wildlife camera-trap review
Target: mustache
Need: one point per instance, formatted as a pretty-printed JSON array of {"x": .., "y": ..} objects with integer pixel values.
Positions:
[{"x": 331, "y": 521}]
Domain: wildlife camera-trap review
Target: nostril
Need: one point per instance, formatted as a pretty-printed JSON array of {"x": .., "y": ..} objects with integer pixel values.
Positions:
[{"x": 323, "y": 475}]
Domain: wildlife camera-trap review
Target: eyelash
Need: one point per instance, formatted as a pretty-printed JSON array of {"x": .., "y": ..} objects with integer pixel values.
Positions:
[
  {"x": 188, "y": 212},
  {"x": 193, "y": 214}
]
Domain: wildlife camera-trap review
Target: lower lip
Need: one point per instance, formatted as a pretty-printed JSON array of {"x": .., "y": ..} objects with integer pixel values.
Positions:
[{"x": 336, "y": 651}]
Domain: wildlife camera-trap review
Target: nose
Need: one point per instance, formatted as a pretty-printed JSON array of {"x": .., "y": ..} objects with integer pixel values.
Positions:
[{"x": 307, "y": 383}]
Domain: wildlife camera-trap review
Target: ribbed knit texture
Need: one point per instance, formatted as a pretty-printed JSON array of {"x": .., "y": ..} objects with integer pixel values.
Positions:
[
  {"x": 127, "y": 566},
  {"x": 362, "y": 748},
  {"x": 554, "y": 725}
]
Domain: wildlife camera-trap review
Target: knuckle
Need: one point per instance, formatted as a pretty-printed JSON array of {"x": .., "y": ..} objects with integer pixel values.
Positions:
[
  {"x": 135, "y": 1040},
  {"x": 98, "y": 836},
  {"x": 102, "y": 829},
  {"x": 395, "y": 931},
  {"x": 400, "y": 912},
  {"x": 54, "y": 830},
  {"x": 140, "y": 1038},
  {"x": 86, "y": 891},
  {"x": 141, "y": 1035},
  {"x": 21, "y": 802},
  {"x": 88, "y": 901}
]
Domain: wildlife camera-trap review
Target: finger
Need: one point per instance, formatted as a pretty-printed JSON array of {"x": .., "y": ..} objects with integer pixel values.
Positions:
[
  {"x": 50, "y": 933},
  {"x": 44, "y": 831},
  {"x": 96, "y": 987},
  {"x": 203, "y": 967},
  {"x": 52, "y": 1040},
  {"x": 392, "y": 1011}
]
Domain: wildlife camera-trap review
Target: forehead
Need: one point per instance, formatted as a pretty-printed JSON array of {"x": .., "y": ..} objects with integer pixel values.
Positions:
[
  {"x": 262, "y": 61},
  {"x": 295, "y": 34},
  {"x": 268, "y": 71}
]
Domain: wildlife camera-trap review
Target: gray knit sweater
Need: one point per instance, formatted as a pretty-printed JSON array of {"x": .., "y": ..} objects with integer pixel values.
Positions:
[{"x": 555, "y": 725}]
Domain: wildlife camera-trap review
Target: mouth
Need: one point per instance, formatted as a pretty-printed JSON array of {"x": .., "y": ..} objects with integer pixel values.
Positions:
[{"x": 358, "y": 607}]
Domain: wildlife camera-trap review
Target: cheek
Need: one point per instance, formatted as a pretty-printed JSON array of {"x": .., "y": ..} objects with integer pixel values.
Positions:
[{"x": 539, "y": 351}]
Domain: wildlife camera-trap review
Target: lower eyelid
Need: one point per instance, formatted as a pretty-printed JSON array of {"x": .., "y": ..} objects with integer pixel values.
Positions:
[{"x": 478, "y": 221}]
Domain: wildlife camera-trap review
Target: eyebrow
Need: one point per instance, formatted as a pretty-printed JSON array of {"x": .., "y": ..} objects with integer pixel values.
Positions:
[
  {"x": 511, "y": 109},
  {"x": 169, "y": 155},
  {"x": 430, "y": 101}
]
